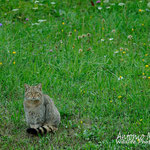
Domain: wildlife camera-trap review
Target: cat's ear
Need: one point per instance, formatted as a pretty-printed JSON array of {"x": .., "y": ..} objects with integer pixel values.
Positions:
[
  {"x": 26, "y": 86},
  {"x": 39, "y": 86}
]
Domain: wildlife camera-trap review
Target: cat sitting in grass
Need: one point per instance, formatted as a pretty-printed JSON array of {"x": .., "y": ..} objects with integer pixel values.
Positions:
[{"x": 40, "y": 111}]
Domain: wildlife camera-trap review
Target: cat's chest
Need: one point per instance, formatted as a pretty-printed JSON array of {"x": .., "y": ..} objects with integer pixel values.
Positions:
[
  {"x": 34, "y": 108},
  {"x": 35, "y": 112}
]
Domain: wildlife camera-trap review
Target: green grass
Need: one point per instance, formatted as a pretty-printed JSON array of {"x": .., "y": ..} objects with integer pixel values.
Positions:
[{"x": 83, "y": 83}]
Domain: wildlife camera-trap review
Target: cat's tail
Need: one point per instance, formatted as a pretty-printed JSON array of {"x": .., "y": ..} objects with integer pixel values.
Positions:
[{"x": 42, "y": 130}]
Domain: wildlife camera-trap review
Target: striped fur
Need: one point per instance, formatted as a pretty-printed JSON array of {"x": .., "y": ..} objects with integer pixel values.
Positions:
[{"x": 42, "y": 130}]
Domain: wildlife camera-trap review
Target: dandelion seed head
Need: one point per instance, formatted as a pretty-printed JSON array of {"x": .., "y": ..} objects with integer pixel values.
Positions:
[
  {"x": 80, "y": 50},
  {"x": 84, "y": 35},
  {"x": 113, "y": 31},
  {"x": 88, "y": 34},
  {"x": 130, "y": 37},
  {"x": 79, "y": 37}
]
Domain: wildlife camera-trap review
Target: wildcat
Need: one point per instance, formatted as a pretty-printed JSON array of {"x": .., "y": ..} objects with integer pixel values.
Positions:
[{"x": 40, "y": 111}]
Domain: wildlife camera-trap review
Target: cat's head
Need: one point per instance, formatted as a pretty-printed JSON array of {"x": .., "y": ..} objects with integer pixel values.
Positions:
[{"x": 33, "y": 92}]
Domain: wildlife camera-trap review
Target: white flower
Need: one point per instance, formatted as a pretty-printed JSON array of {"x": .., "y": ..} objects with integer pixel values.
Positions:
[
  {"x": 102, "y": 40},
  {"x": 130, "y": 37},
  {"x": 120, "y": 78},
  {"x": 110, "y": 39},
  {"x": 35, "y": 8},
  {"x": 99, "y": 8},
  {"x": 35, "y": 24},
  {"x": 15, "y": 9},
  {"x": 53, "y": 3},
  {"x": 36, "y": 2},
  {"x": 148, "y": 4},
  {"x": 108, "y": 7},
  {"x": 41, "y": 21},
  {"x": 116, "y": 52},
  {"x": 112, "y": 4},
  {"x": 106, "y": 1},
  {"x": 121, "y": 4}
]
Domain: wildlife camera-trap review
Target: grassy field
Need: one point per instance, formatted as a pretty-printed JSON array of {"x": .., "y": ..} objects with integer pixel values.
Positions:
[{"x": 92, "y": 58}]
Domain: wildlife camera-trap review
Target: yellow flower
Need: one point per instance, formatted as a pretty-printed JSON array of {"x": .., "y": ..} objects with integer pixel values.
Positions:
[
  {"x": 81, "y": 121},
  {"x": 14, "y": 52},
  {"x": 146, "y": 66},
  {"x": 14, "y": 62},
  {"x": 142, "y": 59},
  {"x": 75, "y": 30},
  {"x": 110, "y": 101},
  {"x": 1, "y": 63},
  {"x": 121, "y": 48},
  {"x": 138, "y": 140},
  {"x": 140, "y": 10},
  {"x": 142, "y": 24},
  {"x": 146, "y": 54},
  {"x": 148, "y": 77},
  {"x": 119, "y": 96},
  {"x": 123, "y": 52},
  {"x": 143, "y": 73},
  {"x": 63, "y": 23},
  {"x": 62, "y": 30},
  {"x": 132, "y": 29}
]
